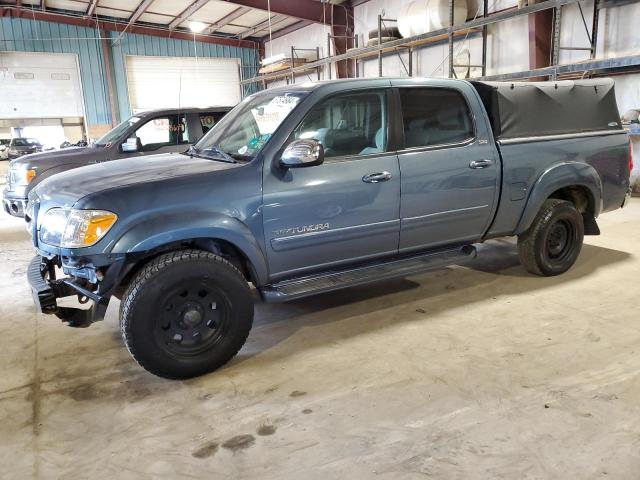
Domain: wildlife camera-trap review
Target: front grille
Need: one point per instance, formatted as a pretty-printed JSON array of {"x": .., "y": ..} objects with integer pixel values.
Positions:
[{"x": 12, "y": 179}]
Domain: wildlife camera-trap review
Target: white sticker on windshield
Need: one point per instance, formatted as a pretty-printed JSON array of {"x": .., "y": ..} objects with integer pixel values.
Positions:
[
  {"x": 268, "y": 117},
  {"x": 243, "y": 150},
  {"x": 285, "y": 100}
]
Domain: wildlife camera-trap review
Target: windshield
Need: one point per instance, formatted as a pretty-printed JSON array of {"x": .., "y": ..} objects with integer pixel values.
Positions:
[
  {"x": 24, "y": 142},
  {"x": 115, "y": 133},
  {"x": 243, "y": 132}
]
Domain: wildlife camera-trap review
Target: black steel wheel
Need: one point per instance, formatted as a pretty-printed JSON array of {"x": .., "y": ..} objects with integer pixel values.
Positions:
[
  {"x": 194, "y": 317},
  {"x": 186, "y": 313},
  {"x": 553, "y": 242}
]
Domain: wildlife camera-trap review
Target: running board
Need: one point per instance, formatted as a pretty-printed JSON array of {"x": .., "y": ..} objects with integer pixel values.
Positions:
[{"x": 326, "y": 282}]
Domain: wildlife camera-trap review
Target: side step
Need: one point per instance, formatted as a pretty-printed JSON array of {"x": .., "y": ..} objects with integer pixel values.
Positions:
[{"x": 335, "y": 280}]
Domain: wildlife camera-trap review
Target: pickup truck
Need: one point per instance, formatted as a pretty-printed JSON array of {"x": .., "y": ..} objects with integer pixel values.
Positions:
[
  {"x": 147, "y": 133},
  {"x": 316, "y": 187}
]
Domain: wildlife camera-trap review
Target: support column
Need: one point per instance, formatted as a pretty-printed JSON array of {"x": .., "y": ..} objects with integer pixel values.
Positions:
[
  {"x": 342, "y": 32},
  {"x": 106, "y": 55},
  {"x": 540, "y": 44}
]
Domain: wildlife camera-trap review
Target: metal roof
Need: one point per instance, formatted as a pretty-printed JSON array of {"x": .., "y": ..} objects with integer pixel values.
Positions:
[{"x": 240, "y": 19}]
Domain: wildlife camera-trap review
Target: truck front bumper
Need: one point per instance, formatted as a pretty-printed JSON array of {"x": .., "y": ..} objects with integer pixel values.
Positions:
[
  {"x": 46, "y": 289},
  {"x": 13, "y": 205}
]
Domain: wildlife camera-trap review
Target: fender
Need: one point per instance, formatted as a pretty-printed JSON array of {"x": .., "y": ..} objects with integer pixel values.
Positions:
[
  {"x": 166, "y": 228},
  {"x": 558, "y": 176}
]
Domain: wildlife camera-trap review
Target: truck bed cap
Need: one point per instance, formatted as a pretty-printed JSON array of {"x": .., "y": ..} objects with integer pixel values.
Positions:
[{"x": 531, "y": 109}]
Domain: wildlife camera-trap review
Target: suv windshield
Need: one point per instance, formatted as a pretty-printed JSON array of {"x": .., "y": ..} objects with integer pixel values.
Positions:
[
  {"x": 115, "y": 133},
  {"x": 24, "y": 142},
  {"x": 243, "y": 132}
]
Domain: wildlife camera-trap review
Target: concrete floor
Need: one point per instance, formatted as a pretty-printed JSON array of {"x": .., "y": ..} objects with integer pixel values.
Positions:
[{"x": 484, "y": 372}]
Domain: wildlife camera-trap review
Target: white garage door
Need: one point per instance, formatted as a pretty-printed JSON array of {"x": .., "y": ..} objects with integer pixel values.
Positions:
[
  {"x": 39, "y": 85},
  {"x": 174, "y": 82}
]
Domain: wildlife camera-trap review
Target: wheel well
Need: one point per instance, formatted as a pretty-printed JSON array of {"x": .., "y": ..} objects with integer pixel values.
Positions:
[
  {"x": 579, "y": 195},
  {"x": 219, "y": 247},
  {"x": 584, "y": 202}
]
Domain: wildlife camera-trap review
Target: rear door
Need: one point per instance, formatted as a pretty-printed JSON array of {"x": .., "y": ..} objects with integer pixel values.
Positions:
[{"x": 449, "y": 167}]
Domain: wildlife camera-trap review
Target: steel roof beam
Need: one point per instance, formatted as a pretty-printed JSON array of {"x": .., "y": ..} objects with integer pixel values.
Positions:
[
  {"x": 91, "y": 8},
  {"x": 286, "y": 30},
  {"x": 142, "y": 7},
  {"x": 190, "y": 10},
  {"x": 227, "y": 19},
  {"x": 275, "y": 19},
  {"x": 310, "y": 10}
]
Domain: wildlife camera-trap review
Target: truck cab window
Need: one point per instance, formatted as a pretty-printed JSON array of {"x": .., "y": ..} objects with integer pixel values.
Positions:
[
  {"x": 162, "y": 132},
  {"x": 434, "y": 116},
  {"x": 208, "y": 120},
  {"x": 350, "y": 124}
]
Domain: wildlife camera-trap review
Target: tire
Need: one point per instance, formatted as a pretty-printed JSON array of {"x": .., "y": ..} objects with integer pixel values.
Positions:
[
  {"x": 186, "y": 313},
  {"x": 553, "y": 242}
]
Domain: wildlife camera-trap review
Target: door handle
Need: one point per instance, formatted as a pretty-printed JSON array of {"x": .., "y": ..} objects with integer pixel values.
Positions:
[
  {"x": 377, "y": 177},
  {"x": 480, "y": 163}
]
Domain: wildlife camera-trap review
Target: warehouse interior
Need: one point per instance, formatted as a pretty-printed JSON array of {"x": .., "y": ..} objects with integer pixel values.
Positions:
[{"x": 477, "y": 369}]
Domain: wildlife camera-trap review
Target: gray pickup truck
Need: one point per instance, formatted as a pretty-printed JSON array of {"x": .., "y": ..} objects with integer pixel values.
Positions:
[
  {"x": 147, "y": 133},
  {"x": 307, "y": 189}
]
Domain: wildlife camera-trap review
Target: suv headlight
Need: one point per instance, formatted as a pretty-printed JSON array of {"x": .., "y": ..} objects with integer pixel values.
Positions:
[
  {"x": 22, "y": 176},
  {"x": 71, "y": 228}
]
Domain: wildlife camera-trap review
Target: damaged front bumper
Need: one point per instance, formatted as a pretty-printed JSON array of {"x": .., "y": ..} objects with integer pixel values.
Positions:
[{"x": 88, "y": 285}]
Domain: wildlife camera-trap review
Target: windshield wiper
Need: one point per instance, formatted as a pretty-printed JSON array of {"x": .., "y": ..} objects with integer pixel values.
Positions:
[
  {"x": 239, "y": 156},
  {"x": 210, "y": 153}
]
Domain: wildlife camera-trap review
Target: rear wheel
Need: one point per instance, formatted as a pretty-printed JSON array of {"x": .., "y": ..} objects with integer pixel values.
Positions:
[
  {"x": 186, "y": 313},
  {"x": 554, "y": 240}
]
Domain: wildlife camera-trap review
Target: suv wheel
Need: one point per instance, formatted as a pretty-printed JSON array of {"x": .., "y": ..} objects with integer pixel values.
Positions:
[
  {"x": 554, "y": 240},
  {"x": 186, "y": 313}
]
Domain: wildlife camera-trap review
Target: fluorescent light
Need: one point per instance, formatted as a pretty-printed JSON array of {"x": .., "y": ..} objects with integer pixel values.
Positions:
[{"x": 197, "y": 27}]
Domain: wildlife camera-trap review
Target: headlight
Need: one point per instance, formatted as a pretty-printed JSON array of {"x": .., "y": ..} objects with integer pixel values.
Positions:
[
  {"x": 22, "y": 176},
  {"x": 71, "y": 228}
]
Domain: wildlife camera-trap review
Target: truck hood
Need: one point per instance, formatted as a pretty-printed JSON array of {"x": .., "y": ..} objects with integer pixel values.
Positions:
[
  {"x": 66, "y": 188},
  {"x": 43, "y": 161}
]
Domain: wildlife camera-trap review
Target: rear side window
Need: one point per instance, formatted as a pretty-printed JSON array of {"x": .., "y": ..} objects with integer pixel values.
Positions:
[
  {"x": 162, "y": 132},
  {"x": 208, "y": 120},
  {"x": 434, "y": 116}
]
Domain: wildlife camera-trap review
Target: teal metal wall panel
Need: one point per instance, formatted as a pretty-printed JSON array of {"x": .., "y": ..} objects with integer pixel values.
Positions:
[
  {"x": 134, "y": 44},
  {"x": 20, "y": 34},
  {"x": 23, "y": 35}
]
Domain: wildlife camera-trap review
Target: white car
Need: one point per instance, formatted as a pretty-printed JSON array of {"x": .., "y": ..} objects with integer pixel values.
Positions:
[{"x": 4, "y": 148}]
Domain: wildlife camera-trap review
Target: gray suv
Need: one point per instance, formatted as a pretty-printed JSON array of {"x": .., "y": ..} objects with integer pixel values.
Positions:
[{"x": 157, "y": 131}]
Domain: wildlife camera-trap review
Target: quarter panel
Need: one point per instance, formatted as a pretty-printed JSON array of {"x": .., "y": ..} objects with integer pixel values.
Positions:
[{"x": 589, "y": 161}]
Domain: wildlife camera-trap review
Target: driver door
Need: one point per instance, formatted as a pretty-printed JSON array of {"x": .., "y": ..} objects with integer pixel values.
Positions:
[
  {"x": 163, "y": 134},
  {"x": 345, "y": 210}
]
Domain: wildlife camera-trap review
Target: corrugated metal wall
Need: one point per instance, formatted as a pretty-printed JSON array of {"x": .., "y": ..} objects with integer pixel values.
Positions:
[
  {"x": 19, "y": 34},
  {"x": 133, "y": 44}
]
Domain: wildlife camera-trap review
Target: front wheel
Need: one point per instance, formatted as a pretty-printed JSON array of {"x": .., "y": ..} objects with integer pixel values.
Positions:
[
  {"x": 186, "y": 313},
  {"x": 553, "y": 242}
]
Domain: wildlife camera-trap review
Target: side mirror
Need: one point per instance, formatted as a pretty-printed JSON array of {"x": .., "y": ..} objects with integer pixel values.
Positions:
[
  {"x": 302, "y": 153},
  {"x": 131, "y": 145}
]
